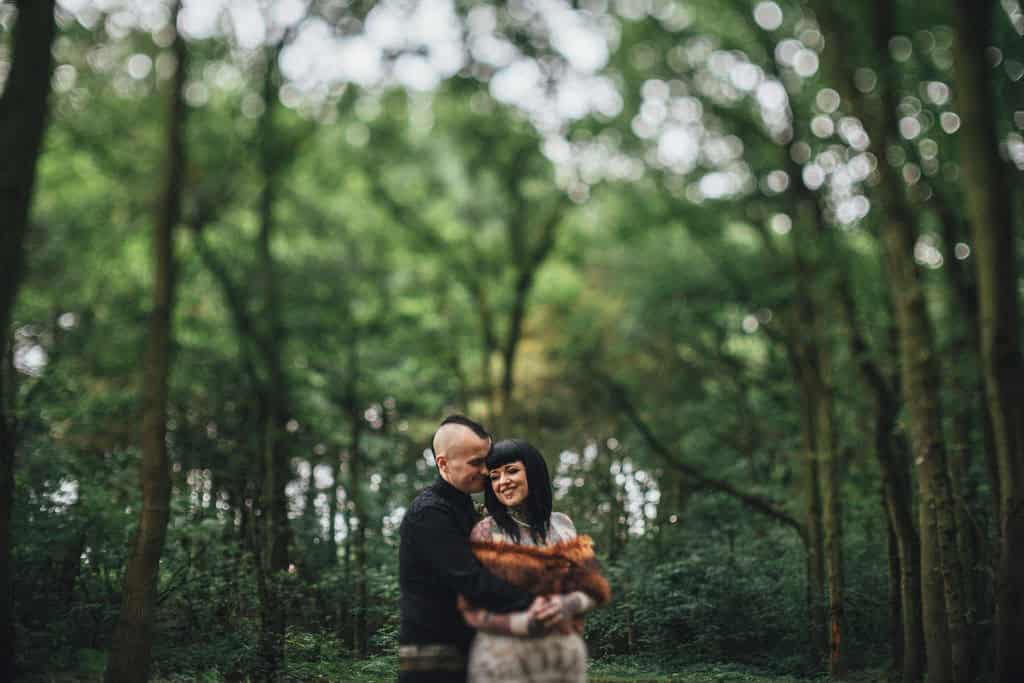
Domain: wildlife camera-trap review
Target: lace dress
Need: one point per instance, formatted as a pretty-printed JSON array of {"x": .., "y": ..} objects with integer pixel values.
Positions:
[{"x": 554, "y": 658}]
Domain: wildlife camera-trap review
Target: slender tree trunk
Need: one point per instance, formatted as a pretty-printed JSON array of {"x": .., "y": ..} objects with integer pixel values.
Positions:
[
  {"x": 359, "y": 632},
  {"x": 920, "y": 383},
  {"x": 133, "y": 635},
  {"x": 896, "y": 496},
  {"x": 530, "y": 259},
  {"x": 964, "y": 301},
  {"x": 332, "y": 526},
  {"x": 833, "y": 536},
  {"x": 896, "y": 630},
  {"x": 966, "y": 380},
  {"x": 344, "y": 629},
  {"x": 816, "y": 593},
  {"x": 995, "y": 252},
  {"x": 524, "y": 284},
  {"x": 908, "y": 654},
  {"x": 805, "y": 356},
  {"x": 817, "y": 301},
  {"x": 357, "y": 508},
  {"x": 812, "y": 511},
  {"x": 488, "y": 348},
  {"x": 274, "y": 502},
  {"x": 23, "y": 115}
]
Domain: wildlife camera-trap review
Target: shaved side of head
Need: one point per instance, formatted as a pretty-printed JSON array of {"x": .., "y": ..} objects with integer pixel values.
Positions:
[
  {"x": 460, "y": 451},
  {"x": 448, "y": 435},
  {"x": 453, "y": 430}
]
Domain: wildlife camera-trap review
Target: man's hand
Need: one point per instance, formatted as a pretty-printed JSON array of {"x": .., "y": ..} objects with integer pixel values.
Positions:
[
  {"x": 547, "y": 614},
  {"x": 552, "y": 613}
]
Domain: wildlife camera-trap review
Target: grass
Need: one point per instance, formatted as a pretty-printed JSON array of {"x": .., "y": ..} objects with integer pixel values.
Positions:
[{"x": 383, "y": 669}]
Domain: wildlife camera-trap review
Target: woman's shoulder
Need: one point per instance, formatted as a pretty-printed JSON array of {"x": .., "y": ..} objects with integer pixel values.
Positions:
[{"x": 562, "y": 525}]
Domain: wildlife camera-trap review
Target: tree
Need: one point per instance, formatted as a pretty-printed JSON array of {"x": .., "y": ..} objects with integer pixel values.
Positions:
[
  {"x": 132, "y": 641},
  {"x": 23, "y": 116},
  {"x": 992, "y": 228}
]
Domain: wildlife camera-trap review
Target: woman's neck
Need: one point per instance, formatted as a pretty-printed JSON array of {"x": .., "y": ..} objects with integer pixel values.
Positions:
[{"x": 519, "y": 515}]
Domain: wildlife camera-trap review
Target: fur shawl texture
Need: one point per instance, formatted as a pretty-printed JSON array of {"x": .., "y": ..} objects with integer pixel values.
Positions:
[{"x": 563, "y": 567}]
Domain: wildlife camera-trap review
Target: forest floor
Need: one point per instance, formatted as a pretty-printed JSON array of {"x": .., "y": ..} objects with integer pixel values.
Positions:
[
  {"x": 631, "y": 670},
  {"x": 608, "y": 670}
]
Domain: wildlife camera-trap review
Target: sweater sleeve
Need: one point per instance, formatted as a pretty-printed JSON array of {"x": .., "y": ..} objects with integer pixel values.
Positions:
[{"x": 447, "y": 553}]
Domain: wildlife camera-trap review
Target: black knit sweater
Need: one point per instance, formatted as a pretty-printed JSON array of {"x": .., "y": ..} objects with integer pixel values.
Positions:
[{"x": 436, "y": 564}]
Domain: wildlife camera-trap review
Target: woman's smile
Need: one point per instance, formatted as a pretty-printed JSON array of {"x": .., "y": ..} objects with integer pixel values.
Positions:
[{"x": 509, "y": 483}]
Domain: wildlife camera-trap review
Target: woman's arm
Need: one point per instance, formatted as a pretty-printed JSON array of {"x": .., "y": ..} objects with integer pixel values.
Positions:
[
  {"x": 576, "y": 603},
  {"x": 525, "y": 623}
]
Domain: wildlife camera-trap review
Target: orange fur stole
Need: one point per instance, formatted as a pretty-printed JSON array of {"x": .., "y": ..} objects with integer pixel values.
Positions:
[{"x": 543, "y": 570}]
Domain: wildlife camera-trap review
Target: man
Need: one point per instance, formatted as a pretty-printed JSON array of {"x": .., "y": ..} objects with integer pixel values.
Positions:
[{"x": 436, "y": 564}]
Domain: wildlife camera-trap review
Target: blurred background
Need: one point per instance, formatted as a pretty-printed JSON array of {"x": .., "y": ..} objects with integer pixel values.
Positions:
[{"x": 747, "y": 272}]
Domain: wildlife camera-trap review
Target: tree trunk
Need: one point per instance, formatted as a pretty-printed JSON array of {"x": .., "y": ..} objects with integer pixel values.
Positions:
[
  {"x": 920, "y": 377},
  {"x": 332, "y": 524},
  {"x": 815, "y": 548},
  {"x": 524, "y": 283},
  {"x": 133, "y": 635},
  {"x": 896, "y": 496},
  {"x": 815, "y": 301},
  {"x": 967, "y": 381},
  {"x": 488, "y": 347},
  {"x": 920, "y": 381},
  {"x": 353, "y": 407},
  {"x": 805, "y": 356},
  {"x": 359, "y": 631},
  {"x": 23, "y": 115},
  {"x": 345, "y": 616},
  {"x": 908, "y": 654},
  {"x": 833, "y": 531},
  {"x": 896, "y": 644},
  {"x": 274, "y": 502},
  {"x": 529, "y": 261},
  {"x": 995, "y": 253}
]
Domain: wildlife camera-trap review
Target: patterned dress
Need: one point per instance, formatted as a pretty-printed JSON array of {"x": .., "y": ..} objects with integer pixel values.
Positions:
[{"x": 554, "y": 658}]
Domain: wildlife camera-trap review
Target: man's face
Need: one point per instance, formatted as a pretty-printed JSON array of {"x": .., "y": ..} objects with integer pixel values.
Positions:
[{"x": 464, "y": 465}]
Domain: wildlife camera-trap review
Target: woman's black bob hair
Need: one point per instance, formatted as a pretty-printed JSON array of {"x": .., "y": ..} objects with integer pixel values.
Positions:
[{"x": 538, "y": 501}]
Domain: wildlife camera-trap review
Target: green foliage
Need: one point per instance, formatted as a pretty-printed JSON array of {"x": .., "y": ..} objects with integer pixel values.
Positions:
[
  {"x": 716, "y": 587},
  {"x": 404, "y": 220}
]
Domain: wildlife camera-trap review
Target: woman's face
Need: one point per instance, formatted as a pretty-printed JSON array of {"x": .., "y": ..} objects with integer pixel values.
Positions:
[{"x": 509, "y": 483}]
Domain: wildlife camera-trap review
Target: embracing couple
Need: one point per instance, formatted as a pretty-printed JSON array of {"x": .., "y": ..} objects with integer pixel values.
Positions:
[{"x": 520, "y": 579}]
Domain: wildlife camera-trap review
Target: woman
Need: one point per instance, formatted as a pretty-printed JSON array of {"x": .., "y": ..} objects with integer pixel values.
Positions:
[{"x": 525, "y": 543}]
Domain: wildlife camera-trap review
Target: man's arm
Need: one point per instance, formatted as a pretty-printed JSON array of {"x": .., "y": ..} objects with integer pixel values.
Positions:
[
  {"x": 512, "y": 624},
  {"x": 439, "y": 542}
]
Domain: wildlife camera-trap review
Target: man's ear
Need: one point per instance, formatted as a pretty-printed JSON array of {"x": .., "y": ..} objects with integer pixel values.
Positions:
[{"x": 442, "y": 463}]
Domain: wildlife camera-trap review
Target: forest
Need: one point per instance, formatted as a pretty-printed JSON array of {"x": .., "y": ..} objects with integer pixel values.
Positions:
[{"x": 747, "y": 272}]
